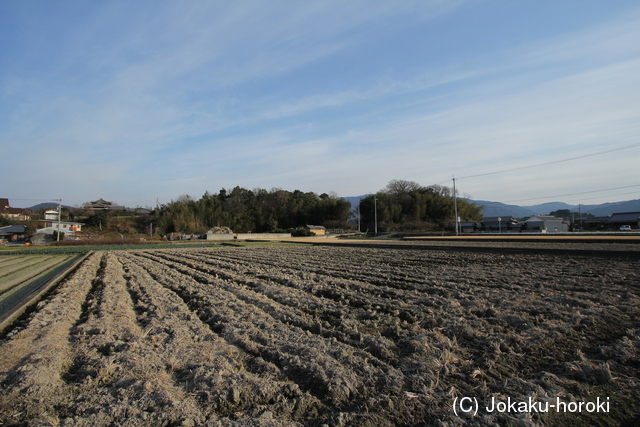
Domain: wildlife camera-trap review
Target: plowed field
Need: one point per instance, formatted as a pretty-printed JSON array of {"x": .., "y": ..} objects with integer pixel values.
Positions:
[{"x": 337, "y": 336}]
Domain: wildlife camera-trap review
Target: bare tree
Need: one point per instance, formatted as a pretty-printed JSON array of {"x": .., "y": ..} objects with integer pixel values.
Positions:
[
  {"x": 400, "y": 186},
  {"x": 441, "y": 190},
  {"x": 184, "y": 198}
]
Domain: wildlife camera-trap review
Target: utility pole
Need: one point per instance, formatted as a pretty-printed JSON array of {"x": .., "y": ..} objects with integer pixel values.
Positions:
[
  {"x": 359, "y": 216},
  {"x": 580, "y": 211},
  {"x": 455, "y": 203},
  {"x": 59, "y": 215},
  {"x": 375, "y": 214}
]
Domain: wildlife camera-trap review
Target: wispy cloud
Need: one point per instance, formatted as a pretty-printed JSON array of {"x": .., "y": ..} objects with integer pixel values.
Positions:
[{"x": 187, "y": 97}]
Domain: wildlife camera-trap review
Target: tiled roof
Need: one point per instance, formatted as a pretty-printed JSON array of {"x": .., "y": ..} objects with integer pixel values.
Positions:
[
  {"x": 625, "y": 217},
  {"x": 12, "y": 229}
]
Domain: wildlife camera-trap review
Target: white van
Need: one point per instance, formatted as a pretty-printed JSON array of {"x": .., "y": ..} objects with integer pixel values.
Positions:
[{"x": 625, "y": 228}]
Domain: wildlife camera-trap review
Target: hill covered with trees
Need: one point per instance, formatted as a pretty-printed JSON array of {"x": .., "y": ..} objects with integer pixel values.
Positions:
[
  {"x": 401, "y": 206},
  {"x": 256, "y": 210},
  {"x": 409, "y": 206}
]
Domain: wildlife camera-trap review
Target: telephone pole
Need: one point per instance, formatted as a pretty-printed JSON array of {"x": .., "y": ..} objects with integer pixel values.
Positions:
[
  {"x": 580, "y": 211},
  {"x": 375, "y": 214},
  {"x": 59, "y": 216},
  {"x": 455, "y": 203}
]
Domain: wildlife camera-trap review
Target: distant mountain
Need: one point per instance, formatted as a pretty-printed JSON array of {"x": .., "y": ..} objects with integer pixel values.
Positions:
[
  {"x": 501, "y": 209},
  {"x": 46, "y": 205},
  {"x": 545, "y": 208},
  {"x": 354, "y": 200},
  {"x": 604, "y": 209}
]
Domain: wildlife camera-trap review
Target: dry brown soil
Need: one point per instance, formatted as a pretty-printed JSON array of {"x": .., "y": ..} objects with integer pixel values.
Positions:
[{"x": 336, "y": 336}]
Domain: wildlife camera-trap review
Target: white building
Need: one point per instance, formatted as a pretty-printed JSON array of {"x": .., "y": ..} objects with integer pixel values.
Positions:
[
  {"x": 546, "y": 224},
  {"x": 51, "y": 215}
]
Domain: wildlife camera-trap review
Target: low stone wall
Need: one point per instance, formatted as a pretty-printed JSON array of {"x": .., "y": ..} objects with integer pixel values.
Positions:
[
  {"x": 266, "y": 236},
  {"x": 220, "y": 236}
]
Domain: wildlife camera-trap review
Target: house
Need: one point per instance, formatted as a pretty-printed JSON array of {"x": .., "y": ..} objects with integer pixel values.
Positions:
[
  {"x": 468, "y": 226},
  {"x": 318, "y": 230},
  {"x": 592, "y": 223},
  {"x": 546, "y": 224},
  {"x": 501, "y": 223},
  {"x": 624, "y": 218},
  {"x": 11, "y": 233},
  {"x": 14, "y": 213}
]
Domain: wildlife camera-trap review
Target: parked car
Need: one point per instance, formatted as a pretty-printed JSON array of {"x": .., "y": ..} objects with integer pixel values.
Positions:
[{"x": 625, "y": 228}]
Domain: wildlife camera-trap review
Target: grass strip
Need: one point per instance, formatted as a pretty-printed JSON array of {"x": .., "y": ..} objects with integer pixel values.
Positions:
[
  {"x": 12, "y": 299},
  {"x": 38, "y": 266}
]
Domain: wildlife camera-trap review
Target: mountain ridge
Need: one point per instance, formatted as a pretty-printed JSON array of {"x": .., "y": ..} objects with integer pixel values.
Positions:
[
  {"x": 490, "y": 208},
  {"x": 604, "y": 209}
]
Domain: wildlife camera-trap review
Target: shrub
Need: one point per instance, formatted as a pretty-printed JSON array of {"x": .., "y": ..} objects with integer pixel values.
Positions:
[{"x": 301, "y": 232}]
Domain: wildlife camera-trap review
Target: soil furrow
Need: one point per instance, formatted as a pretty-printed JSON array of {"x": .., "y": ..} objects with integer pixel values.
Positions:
[
  {"x": 329, "y": 369},
  {"x": 308, "y": 310},
  {"x": 336, "y": 336},
  {"x": 113, "y": 368},
  {"x": 222, "y": 378},
  {"x": 311, "y": 314},
  {"x": 326, "y": 304}
]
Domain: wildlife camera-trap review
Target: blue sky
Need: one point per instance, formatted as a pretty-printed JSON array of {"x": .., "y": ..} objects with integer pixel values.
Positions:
[{"x": 148, "y": 100}]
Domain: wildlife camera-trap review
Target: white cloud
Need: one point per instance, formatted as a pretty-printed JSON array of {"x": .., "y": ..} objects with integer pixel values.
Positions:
[{"x": 204, "y": 95}]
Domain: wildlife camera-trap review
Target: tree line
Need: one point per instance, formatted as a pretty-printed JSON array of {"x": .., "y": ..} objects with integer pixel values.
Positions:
[
  {"x": 401, "y": 206},
  {"x": 256, "y": 210},
  {"x": 409, "y": 206}
]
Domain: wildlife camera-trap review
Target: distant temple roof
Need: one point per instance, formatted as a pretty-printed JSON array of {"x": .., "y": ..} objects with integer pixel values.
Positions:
[{"x": 105, "y": 205}]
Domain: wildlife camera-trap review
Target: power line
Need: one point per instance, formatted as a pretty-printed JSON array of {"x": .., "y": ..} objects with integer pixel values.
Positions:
[
  {"x": 574, "y": 194},
  {"x": 626, "y": 147}
]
